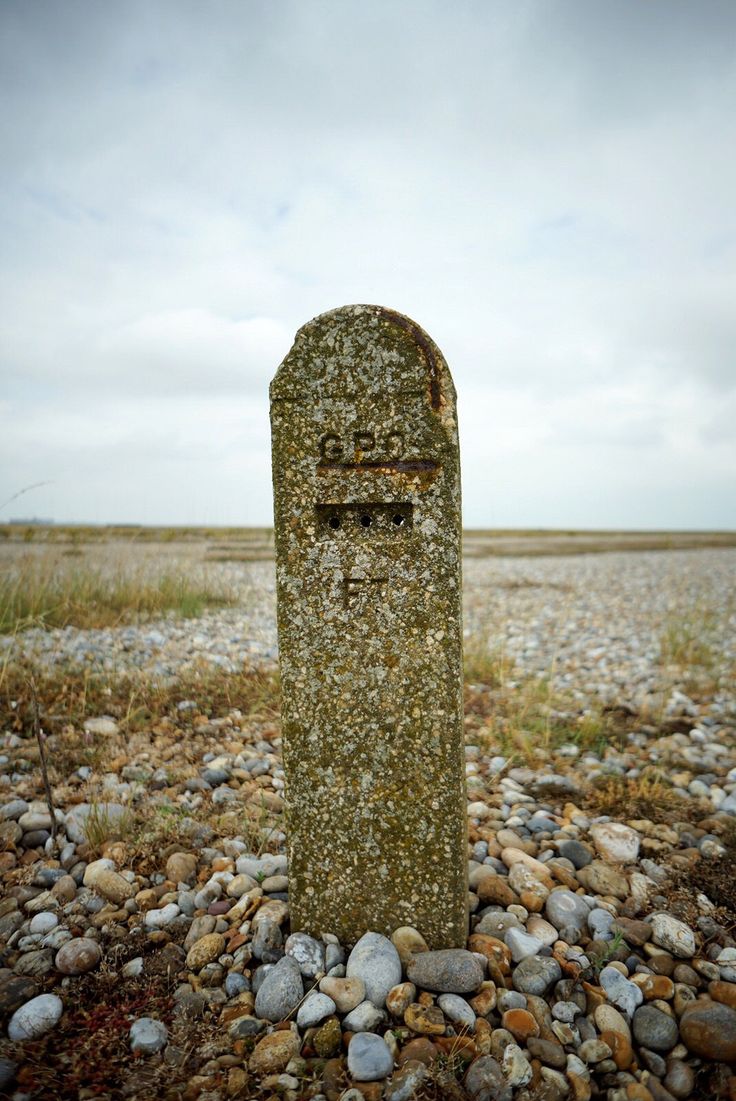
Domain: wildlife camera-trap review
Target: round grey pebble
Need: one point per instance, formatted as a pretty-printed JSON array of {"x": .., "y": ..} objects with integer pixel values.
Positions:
[
  {"x": 375, "y": 960},
  {"x": 448, "y": 971},
  {"x": 536, "y": 974},
  {"x": 281, "y": 991},
  {"x": 457, "y": 1010},
  {"x": 236, "y": 984},
  {"x": 36, "y": 1017},
  {"x": 308, "y": 953},
  {"x": 565, "y": 908},
  {"x": 314, "y": 1009},
  {"x": 147, "y": 1036},
  {"x": 369, "y": 1058},
  {"x": 576, "y": 852},
  {"x": 655, "y": 1029}
]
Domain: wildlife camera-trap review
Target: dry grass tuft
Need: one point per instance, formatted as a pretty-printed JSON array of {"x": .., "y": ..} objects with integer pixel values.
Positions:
[
  {"x": 44, "y": 592},
  {"x": 649, "y": 795},
  {"x": 521, "y": 715}
]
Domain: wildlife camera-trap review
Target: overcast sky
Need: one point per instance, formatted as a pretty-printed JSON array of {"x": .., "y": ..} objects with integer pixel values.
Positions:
[{"x": 547, "y": 186}]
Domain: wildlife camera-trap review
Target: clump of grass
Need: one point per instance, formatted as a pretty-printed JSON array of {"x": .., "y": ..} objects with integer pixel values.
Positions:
[
  {"x": 520, "y": 715},
  {"x": 649, "y": 795},
  {"x": 685, "y": 639},
  {"x": 485, "y": 665},
  {"x": 101, "y": 827},
  {"x": 39, "y": 592}
]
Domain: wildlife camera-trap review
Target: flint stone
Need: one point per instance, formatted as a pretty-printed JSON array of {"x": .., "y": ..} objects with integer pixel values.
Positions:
[
  {"x": 447, "y": 971},
  {"x": 654, "y": 1029},
  {"x": 484, "y": 1081},
  {"x": 308, "y": 953},
  {"x": 367, "y": 531},
  {"x": 314, "y": 1009},
  {"x": 369, "y": 1058},
  {"x": 522, "y": 944},
  {"x": 375, "y": 960},
  {"x": 35, "y": 1018},
  {"x": 620, "y": 990},
  {"x": 281, "y": 991},
  {"x": 78, "y": 956},
  {"x": 364, "y": 1018},
  {"x": 674, "y": 935},
  {"x": 457, "y": 1010},
  {"x": 564, "y": 908},
  {"x": 147, "y": 1036},
  {"x": 535, "y": 974}
]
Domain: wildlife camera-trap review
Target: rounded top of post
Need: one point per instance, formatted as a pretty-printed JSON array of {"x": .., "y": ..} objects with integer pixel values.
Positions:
[{"x": 367, "y": 347}]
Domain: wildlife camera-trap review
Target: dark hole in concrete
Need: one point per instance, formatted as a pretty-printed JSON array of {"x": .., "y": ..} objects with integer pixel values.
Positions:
[
  {"x": 365, "y": 520},
  {"x": 334, "y": 522},
  {"x": 398, "y": 519}
]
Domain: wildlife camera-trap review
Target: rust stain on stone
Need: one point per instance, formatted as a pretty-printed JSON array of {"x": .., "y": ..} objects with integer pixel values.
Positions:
[{"x": 420, "y": 339}]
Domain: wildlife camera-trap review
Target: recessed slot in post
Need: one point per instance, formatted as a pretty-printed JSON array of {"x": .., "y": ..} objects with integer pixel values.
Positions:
[{"x": 386, "y": 518}]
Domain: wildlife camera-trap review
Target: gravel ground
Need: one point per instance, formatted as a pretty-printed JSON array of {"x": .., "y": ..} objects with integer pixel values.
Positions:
[
  {"x": 594, "y": 622},
  {"x": 601, "y": 960}
]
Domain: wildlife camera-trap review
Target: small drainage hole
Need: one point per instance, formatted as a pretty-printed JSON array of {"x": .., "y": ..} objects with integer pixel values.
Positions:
[
  {"x": 398, "y": 519},
  {"x": 334, "y": 522},
  {"x": 365, "y": 520}
]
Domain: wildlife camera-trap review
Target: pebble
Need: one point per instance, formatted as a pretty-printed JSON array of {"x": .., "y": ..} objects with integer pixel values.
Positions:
[
  {"x": 485, "y": 1081},
  {"x": 708, "y": 1029},
  {"x": 159, "y": 919},
  {"x": 43, "y": 923},
  {"x": 308, "y": 953},
  {"x": 654, "y": 1029},
  {"x": 624, "y": 994},
  {"x": 457, "y": 1010},
  {"x": 408, "y": 941},
  {"x": 147, "y": 1036},
  {"x": 535, "y": 974},
  {"x": 674, "y": 935},
  {"x": 366, "y": 1017},
  {"x": 448, "y": 970},
  {"x": 281, "y": 991},
  {"x": 37, "y": 1017},
  {"x": 564, "y": 908},
  {"x": 78, "y": 956},
  {"x": 273, "y": 1053},
  {"x": 205, "y": 951},
  {"x": 314, "y": 1009},
  {"x": 615, "y": 841},
  {"x": 376, "y": 962},
  {"x": 346, "y": 993},
  {"x": 522, "y": 944},
  {"x": 369, "y": 1058}
]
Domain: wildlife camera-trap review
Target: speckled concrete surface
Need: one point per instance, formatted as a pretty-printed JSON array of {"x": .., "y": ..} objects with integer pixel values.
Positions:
[{"x": 367, "y": 507}]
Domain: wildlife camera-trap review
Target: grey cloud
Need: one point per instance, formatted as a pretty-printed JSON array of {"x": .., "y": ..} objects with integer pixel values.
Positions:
[{"x": 545, "y": 186}]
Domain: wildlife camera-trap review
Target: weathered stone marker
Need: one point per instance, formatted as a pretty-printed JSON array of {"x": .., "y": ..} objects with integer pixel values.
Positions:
[{"x": 367, "y": 512}]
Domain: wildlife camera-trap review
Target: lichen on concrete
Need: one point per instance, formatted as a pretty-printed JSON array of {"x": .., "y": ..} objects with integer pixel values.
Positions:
[{"x": 367, "y": 518}]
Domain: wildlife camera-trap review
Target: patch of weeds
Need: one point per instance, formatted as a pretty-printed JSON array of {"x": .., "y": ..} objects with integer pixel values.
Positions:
[
  {"x": 258, "y": 827},
  {"x": 598, "y": 960},
  {"x": 712, "y": 877},
  {"x": 88, "y": 1053},
  {"x": 483, "y": 665},
  {"x": 685, "y": 639},
  {"x": 37, "y": 592},
  {"x": 649, "y": 795},
  {"x": 100, "y": 826},
  {"x": 68, "y": 695},
  {"x": 520, "y": 715}
]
